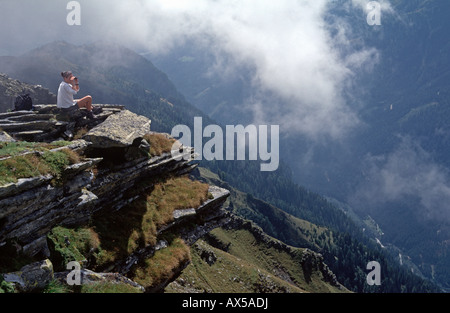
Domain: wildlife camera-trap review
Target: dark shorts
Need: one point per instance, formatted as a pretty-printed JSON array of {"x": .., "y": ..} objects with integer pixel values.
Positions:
[{"x": 73, "y": 108}]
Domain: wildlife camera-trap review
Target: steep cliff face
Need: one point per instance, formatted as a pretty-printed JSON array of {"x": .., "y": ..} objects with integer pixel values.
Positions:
[
  {"x": 113, "y": 199},
  {"x": 113, "y": 170}
]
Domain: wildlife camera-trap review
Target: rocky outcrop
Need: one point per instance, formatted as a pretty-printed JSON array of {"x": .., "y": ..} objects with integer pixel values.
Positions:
[
  {"x": 31, "y": 207},
  {"x": 118, "y": 131},
  {"x": 313, "y": 262},
  {"x": 32, "y": 277},
  {"x": 5, "y": 137},
  {"x": 208, "y": 216},
  {"x": 49, "y": 123},
  {"x": 190, "y": 227},
  {"x": 11, "y": 88},
  {"x": 35, "y": 277},
  {"x": 114, "y": 160}
]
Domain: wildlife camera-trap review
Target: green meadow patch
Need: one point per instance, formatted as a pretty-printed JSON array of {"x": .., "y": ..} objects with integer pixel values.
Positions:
[{"x": 26, "y": 160}]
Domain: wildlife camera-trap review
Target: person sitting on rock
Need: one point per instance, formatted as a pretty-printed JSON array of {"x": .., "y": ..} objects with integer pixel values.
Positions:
[{"x": 67, "y": 89}]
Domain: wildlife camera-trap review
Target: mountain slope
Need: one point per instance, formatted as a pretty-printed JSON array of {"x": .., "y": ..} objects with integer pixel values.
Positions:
[
  {"x": 240, "y": 258},
  {"x": 346, "y": 251},
  {"x": 403, "y": 104},
  {"x": 407, "y": 112}
]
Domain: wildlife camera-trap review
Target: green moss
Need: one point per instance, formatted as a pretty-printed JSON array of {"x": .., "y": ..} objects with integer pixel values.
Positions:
[
  {"x": 69, "y": 245},
  {"x": 35, "y": 164},
  {"x": 9, "y": 149},
  {"x": 56, "y": 161},
  {"x": 56, "y": 287},
  {"x": 20, "y": 167},
  {"x": 6, "y": 287}
]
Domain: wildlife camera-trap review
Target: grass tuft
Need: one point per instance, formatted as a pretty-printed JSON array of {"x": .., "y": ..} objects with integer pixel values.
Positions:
[
  {"x": 10, "y": 149},
  {"x": 34, "y": 164},
  {"x": 159, "y": 143},
  {"x": 107, "y": 287},
  {"x": 163, "y": 265},
  {"x": 136, "y": 225}
]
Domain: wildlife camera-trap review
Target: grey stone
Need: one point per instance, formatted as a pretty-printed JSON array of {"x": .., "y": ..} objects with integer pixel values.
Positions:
[
  {"x": 36, "y": 247},
  {"x": 119, "y": 130},
  {"x": 183, "y": 213},
  {"x": 5, "y": 137},
  {"x": 21, "y": 185},
  {"x": 32, "y": 277},
  {"x": 87, "y": 197},
  {"x": 27, "y": 126}
]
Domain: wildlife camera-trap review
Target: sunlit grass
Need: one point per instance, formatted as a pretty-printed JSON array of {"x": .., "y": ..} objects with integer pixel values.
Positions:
[
  {"x": 9, "y": 149},
  {"x": 36, "y": 164},
  {"x": 159, "y": 143},
  {"x": 163, "y": 265},
  {"x": 136, "y": 225}
]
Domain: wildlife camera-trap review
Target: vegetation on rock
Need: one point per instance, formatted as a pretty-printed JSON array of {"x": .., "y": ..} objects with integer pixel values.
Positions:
[{"x": 41, "y": 161}]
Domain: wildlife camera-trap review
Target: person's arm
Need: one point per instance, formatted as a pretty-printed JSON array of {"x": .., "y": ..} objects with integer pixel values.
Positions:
[
  {"x": 70, "y": 89},
  {"x": 75, "y": 85}
]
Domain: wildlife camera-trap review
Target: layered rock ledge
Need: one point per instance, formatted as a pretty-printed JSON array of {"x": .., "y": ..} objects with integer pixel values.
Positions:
[
  {"x": 114, "y": 160},
  {"x": 48, "y": 123}
]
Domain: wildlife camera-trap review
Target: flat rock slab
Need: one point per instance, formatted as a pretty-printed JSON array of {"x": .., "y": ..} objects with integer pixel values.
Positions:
[
  {"x": 118, "y": 130},
  {"x": 22, "y": 185},
  {"x": 5, "y": 137}
]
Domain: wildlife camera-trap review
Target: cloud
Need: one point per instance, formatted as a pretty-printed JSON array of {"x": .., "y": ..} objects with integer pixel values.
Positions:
[
  {"x": 301, "y": 69},
  {"x": 408, "y": 175}
]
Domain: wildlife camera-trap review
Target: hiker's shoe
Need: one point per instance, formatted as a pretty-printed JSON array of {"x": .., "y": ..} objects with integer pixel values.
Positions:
[
  {"x": 91, "y": 115},
  {"x": 97, "y": 110}
]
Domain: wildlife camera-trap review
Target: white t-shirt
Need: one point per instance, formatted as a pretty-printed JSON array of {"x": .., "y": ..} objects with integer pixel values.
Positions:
[{"x": 65, "y": 96}]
